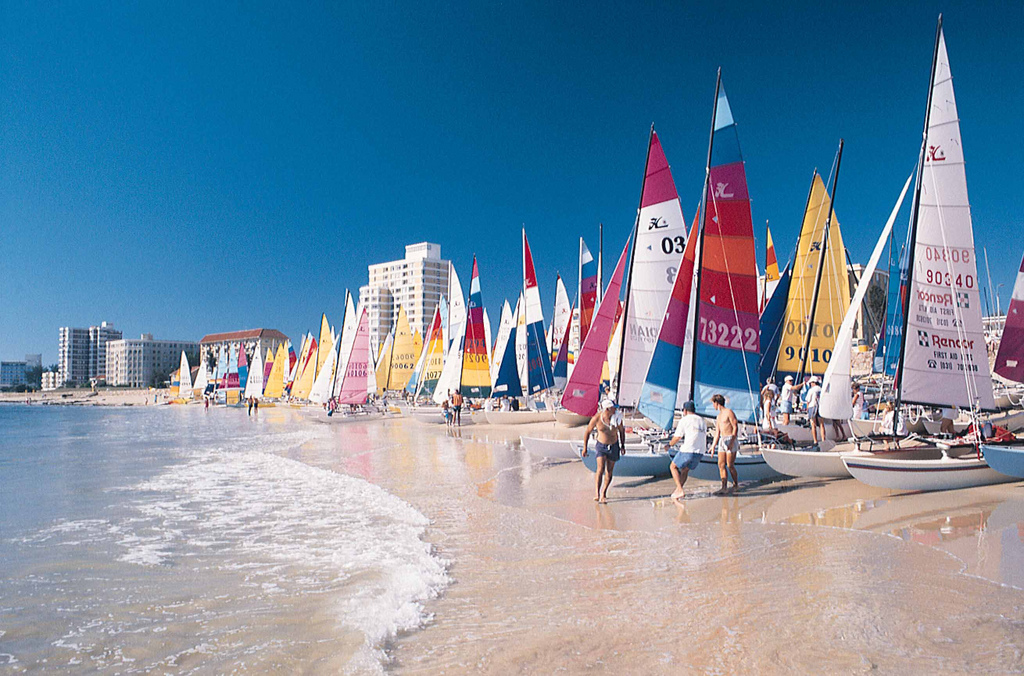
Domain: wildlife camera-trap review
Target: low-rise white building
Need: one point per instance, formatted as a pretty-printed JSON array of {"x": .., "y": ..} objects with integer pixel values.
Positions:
[
  {"x": 136, "y": 363},
  {"x": 50, "y": 380}
]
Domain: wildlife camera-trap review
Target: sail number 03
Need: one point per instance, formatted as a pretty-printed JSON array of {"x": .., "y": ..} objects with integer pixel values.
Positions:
[
  {"x": 675, "y": 244},
  {"x": 727, "y": 335}
]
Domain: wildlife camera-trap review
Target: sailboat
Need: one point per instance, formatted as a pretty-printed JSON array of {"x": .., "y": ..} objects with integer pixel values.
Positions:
[
  {"x": 943, "y": 355},
  {"x": 506, "y": 382},
  {"x": 184, "y": 379},
  {"x": 559, "y": 330},
  {"x": 538, "y": 372},
  {"x": 254, "y": 383},
  {"x": 355, "y": 381},
  {"x": 771, "y": 269},
  {"x": 588, "y": 290},
  {"x": 475, "y": 374},
  {"x": 202, "y": 378},
  {"x": 1009, "y": 460},
  {"x": 382, "y": 369},
  {"x": 505, "y": 326},
  {"x": 835, "y": 402},
  {"x": 274, "y": 387}
]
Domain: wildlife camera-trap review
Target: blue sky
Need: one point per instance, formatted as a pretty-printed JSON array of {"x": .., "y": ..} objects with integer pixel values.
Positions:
[{"x": 182, "y": 169}]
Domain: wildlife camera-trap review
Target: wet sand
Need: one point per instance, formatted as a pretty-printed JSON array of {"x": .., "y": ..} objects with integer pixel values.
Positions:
[{"x": 800, "y": 575}]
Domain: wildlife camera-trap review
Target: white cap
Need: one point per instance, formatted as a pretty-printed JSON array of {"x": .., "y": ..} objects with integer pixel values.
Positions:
[
  {"x": 607, "y": 403},
  {"x": 815, "y": 379},
  {"x": 788, "y": 378}
]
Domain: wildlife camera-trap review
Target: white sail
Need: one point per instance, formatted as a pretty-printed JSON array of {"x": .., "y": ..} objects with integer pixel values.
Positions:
[
  {"x": 456, "y": 307},
  {"x": 324, "y": 382},
  {"x": 945, "y": 359},
  {"x": 522, "y": 356},
  {"x": 349, "y": 326},
  {"x": 487, "y": 336},
  {"x": 505, "y": 326},
  {"x": 574, "y": 339},
  {"x": 184, "y": 378},
  {"x": 254, "y": 383},
  {"x": 836, "y": 402},
  {"x": 559, "y": 320},
  {"x": 451, "y": 372},
  {"x": 203, "y": 377},
  {"x": 658, "y": 250}
]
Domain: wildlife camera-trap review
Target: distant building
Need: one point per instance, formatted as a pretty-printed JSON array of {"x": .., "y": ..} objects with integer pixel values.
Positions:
[
  {"x": 134, "y": 363},
  {"x": 82, "y": 353},
  {"x": 12, "y": 373},
  {"x": 33, "y": 361},
  {"x": 50, "y": 380},
  {"x": 415, "y": 282},
  {"x": 871, "y": 313},
  {"x": 266, "y": 339}
]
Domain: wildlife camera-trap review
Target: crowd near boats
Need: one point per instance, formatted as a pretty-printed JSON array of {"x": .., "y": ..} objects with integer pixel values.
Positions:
[{"x": 686, "y": 315}]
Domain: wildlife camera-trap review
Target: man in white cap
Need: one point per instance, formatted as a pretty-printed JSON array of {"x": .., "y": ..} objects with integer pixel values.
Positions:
[
  {"x": 693, "y": 432},
  {"x": 787, "y": 397},
  {"x": 813, "y": 399},
  {"x": 611, "y": 443}
]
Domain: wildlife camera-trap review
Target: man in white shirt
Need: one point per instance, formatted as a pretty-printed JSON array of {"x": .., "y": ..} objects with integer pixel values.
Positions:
[
  {"x": 787, "y": 399},
  {"x": 693, "y": 432},
  {"x": 813, "y": 398}
]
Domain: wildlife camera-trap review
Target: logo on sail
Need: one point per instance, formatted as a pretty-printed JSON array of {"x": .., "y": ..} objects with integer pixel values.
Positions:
[
  {"x": 922, "y": 339},
  {"x": 720, "y": 189},
  {"x": 657, "y": 222},
  {"x": 935, "y": 154}
]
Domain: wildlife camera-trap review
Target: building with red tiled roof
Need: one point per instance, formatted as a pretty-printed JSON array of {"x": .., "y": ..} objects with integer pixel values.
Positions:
[{"x": 266, "y": 339}]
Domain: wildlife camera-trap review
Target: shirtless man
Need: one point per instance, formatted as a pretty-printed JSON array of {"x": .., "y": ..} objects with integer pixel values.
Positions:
[
  {"x": 611, "y": 443},
  {"x": 726, "y": 444},
  {"x": 457, "y": 407}
]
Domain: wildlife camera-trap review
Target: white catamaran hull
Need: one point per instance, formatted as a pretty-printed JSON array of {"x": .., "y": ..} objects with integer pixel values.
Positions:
[
  {"x": 518, "y": 417},
  {"x": 551, "y": 448},
  {"x": 823, "y": 464},
  {"x": 570, "y": 419},
  {"x": 941, "y": 474},
  {"x": 1008, "y": 460},
  {"x": 339, "y": 418},
  {"x": 748, "y": 468}
]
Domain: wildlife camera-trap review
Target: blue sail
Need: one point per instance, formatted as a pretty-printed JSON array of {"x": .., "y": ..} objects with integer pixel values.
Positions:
[
  {"x": 507, "y": 381},
  {"x": 772, "y": 319}
]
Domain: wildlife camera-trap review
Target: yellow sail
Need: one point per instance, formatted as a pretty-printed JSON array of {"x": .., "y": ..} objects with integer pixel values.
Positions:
[
  {"x": 278, "y": 372},
  {"x": 383, "y": 371},
  {"x": 324, "y": 345},
  {"x": 404, "y": 352},
  {"x": 771, "y": 268},
  {"x": 833, "y": 294},
  {"x": 307, "y": 371}
]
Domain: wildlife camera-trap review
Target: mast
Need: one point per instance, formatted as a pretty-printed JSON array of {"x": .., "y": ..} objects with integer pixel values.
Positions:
[
  {"x": 821, "y": 268},
  {"x": 702, "y": 216},
  {"x": 632, "y": 258},
  {"x": 905, "y": 301},
  {"x": 600, "y": 253}
]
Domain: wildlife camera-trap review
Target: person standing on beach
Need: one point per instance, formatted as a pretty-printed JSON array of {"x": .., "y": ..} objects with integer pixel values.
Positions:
[
  {"x": 859, "y": 410},
  {"x": 446, "y": 411},
  {"x": 457, "y": 407},
  {"x": 255, "y": 405},
  {"x": 813, "y": 399},
  {"x": 726, "y": 442},
  {"x": 693, "y": 432},
  {"x": 788, "y": 398},
  {"x": 611, "y": 442}
]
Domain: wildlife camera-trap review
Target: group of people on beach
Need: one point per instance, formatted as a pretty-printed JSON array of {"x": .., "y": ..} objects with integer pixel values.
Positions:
[
  {"x": 451, "y": 408},
  {"x": 690, "y": 436}
]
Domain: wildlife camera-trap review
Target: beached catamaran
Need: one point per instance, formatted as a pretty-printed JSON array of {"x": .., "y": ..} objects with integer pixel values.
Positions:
[
  {"x": 254, "y": 382},
  {"x": 943, "y": 356},
  {"x": 659, "y": 238},
  {"x": 506, "y": 381},
  {"x": 559, "y": 329},
  {"x": 475, "y": 374},
  {"x": 538, "y": 370}
]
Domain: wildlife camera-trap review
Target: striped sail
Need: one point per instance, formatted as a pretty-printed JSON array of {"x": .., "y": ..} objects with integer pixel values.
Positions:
[
  {"x": 835, "y": 401},
  {"x": 728, "y": 346},
  {"x": 433, "y": 356},
  {"x": 296, "y": 361},
  {"x": 416, "y": 378},
  {"x": 887, "y": 352},
  {"x": 268, "y": 364},
  {"x": 349, "y": 325},
  {"x": 588, "y": 289},
  {"x": 659, "y": 243},
  {"x": 357, "y": 365},
  {"x": 254, "y": 384},
  {"x": 506, "y": 374},
  {"x": 221, "y": 374},
  {"x": 945, "y": 360},
  {"x": 1010, "y": 357},
  {"x": 771, "y": 269},
  {"x": 475, "y": 380},
  {"x": 505, "y": 326},
  {"x": 231, "y": 377},
  {"x": 488, "y": 337},
  {"x": 833, "y": 292},
  {"x": 660, "y": 392},
  {"x": 304, "y": 383},
  {"x": 243, "y": 367},
  {"x": 538, "y": 371},
  {"x": 583, "y": 390}
]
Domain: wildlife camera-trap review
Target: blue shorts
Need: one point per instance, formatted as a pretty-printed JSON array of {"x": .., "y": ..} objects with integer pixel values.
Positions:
[
  {"x": 612, "y": 452},
  {"x": 686, "y": 460},
  {"x": 786, "y": 407}
]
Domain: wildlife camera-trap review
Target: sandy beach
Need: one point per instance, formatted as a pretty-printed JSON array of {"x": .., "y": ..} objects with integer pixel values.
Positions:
[
  {"x": 104, "y": 396},
  {"x": 809, "y": 576}
]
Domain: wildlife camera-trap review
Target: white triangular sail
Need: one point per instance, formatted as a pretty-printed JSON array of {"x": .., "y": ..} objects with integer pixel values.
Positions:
[
  {"x": 254, "y": 383},
  {"x": 505, "y": 326},
  {"x": 349, "y": 326},
  {"x": 456, "y": 307},
  {"x": 451, "y": 372},
  {"x": 184, "y": 378},
  {"x": 945, "y": 360},
  {"x": 559, "y": 319},
  {"x": 322, "y": 385},
  {"x": 835, "y": 401},
  {"x": 203, "y": 377},
  {"x": 521, "y": 347}
]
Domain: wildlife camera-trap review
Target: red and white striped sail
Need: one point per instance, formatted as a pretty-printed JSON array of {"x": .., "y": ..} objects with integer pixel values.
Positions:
[
  {"x": 658, "y": 250},
  {"x": 945, "y": 359}
]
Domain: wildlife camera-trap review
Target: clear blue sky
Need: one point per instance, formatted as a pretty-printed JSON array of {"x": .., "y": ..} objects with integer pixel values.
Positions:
[{"x": 181, "y": 169}]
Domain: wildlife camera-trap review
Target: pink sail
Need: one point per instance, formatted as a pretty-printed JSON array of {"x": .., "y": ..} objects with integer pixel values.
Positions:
[
  {"x": 353, "y": 388},
  {"x": 584, "y": 387},
  {"x": 1010, "y": 358}
]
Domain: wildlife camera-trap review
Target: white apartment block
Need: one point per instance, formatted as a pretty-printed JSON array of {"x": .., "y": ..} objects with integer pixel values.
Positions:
[
  {"x": 250, "y": 339},
  {"x": 50, "y": 380},
  {"x": 415, "y": 282},
  {"x": 82, "y": 353},
  {"x": 134, "y": 363}
]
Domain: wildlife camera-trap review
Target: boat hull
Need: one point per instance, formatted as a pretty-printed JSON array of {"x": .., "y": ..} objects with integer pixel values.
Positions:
[
  {"x": 639, "y": 463},
  {"x": 518, "y": 417},
  {"x": 343, "y": 418},
  {"x": 570, "y": 419},
  {"x": 1008, "y": 460},
  {"x": 822, "y": 464},
  {"x": 749, "y": 467},
  {"x": 941, "y": 474},
  {"x": 550, "y": 448}
]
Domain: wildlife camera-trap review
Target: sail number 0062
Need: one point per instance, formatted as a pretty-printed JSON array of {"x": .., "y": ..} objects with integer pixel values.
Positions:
[{"x": 727, "y": 335}]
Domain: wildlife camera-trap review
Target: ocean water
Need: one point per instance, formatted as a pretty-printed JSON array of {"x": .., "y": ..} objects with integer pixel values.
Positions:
[{"x": 174, "y": 539}]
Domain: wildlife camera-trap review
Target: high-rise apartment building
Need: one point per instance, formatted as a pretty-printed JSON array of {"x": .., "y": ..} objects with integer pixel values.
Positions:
[
  {"x": 415, "y": 282},
  {"x": 134, "y": 363},
  {"x": 82, "y": 353}
]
